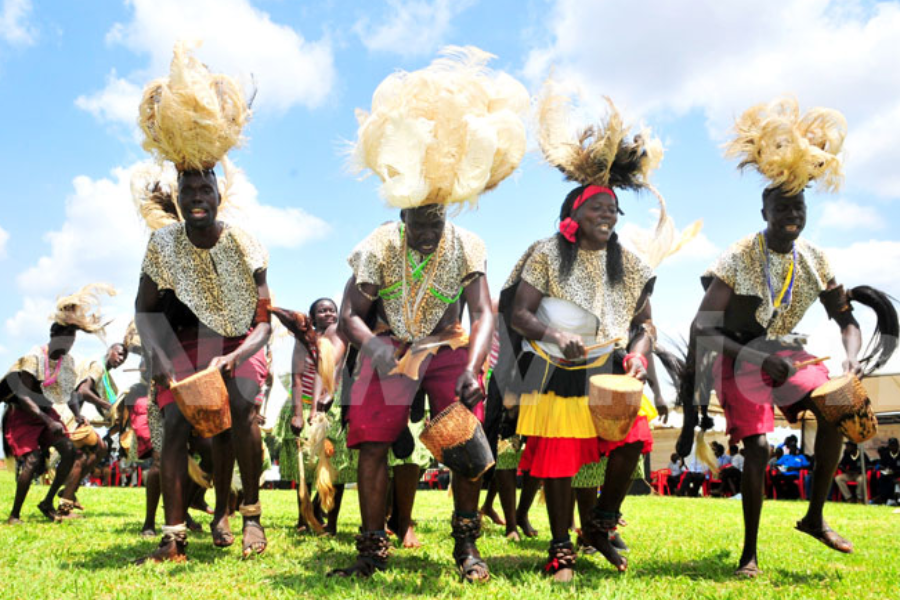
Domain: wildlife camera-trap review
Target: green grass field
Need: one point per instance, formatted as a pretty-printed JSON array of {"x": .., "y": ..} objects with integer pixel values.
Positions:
[{"x": 681, "y": 548}]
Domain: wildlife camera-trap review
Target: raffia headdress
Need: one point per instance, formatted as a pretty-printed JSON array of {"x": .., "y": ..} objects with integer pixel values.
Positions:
[
  {"x": 606, "y": 155},
  {"x": 192, "y": 117},
  {"x": 789, "y": 149},
  {"x": 82, "y": 309},
  {"x": 443, "y": 134}
]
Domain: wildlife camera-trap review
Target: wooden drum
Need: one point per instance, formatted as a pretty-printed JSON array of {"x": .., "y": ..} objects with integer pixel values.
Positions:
[
  {"x": 203, "y": 400},
  {"x": 845, "y": 404},
  {"x": 455, "y": 438},
  {"x": 84, "y": 436},
  {"x": 614, "y": 401}
]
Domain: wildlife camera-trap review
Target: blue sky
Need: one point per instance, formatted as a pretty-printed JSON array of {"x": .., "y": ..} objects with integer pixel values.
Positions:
[{"x": 71, "y": 75}]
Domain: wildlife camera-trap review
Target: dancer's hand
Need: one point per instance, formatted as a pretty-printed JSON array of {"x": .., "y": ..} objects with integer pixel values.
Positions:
[
  {"x": 382, "y": 353},
  {"x": 778, "y": 368},
  {"x": 468, "y": 390},
  {"x": 852, "y": 366},
  {"x": 226, "y": 364},
  {"x": 163, "y": 372},
  {"x": 297, "y": 424},
  {"x": 636, "y": 368},
  {"x": 571, "y": 345}
]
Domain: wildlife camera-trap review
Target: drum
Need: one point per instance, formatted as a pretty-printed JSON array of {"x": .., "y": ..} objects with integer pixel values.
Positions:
[
  {"x": 614, "y": 401},
  {"x": 203, "y": 400},
  {"x": 456, "y": 439},
  {"x": 84, "y": 436},
  {"x": 843, "y": 401}
]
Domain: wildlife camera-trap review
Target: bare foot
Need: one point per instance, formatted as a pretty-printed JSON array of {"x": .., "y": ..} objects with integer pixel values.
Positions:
[
  {"x": 14, "y": 521},
  {"x": 491, "y": 514},
  {"x": 525, "y": 526},
  {"x": 410, "y": 540},
  {"x": 254, "y": 539},
  {"x": 748, "y": 570},
  {"x": 513, "y": 536},
  {"x": 167, "y": 551}
]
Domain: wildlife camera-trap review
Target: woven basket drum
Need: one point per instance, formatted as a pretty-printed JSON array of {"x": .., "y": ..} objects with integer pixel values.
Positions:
[
  {"x": 614, "y": 401},
  {"x": 203, "y": 400},
  {"x": 456, "y": 439},
  {"x": 844, "y": 402},
  {"x": 84, "y": 436}
]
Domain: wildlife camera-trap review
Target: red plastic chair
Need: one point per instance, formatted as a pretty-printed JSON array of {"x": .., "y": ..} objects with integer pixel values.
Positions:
[{"x": 660, "y": 480}]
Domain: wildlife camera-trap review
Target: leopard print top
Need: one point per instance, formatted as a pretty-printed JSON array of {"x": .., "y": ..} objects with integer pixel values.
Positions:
[
  {"x": 94, "y": 370},
  {"x": 742, "y": 268},
  {"x": 587, "y": 284},
  {"x": 216, "y": 284},
  {"x": 381, "y": 258},
  {"x": 36, "y": 364}
]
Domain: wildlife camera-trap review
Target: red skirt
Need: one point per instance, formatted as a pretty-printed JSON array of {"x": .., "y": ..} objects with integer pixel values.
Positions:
[
  {"x": 640, "y": 432},
  {"x": 26, "y": 433},
  {"x": 558, "y": 457}
]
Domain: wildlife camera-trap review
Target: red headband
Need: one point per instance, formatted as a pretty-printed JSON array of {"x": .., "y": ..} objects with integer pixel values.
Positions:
[{"x": 568, "y": 227}]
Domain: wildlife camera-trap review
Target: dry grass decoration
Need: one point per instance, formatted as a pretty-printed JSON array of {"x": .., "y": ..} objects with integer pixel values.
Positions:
[
  {"x": 443, "y": 134},
  {"x": 789, "y": 149},
  {"x": 192, "y": 118}
]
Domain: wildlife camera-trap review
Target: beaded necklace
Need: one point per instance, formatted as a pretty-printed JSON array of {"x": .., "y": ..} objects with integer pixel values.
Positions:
[{"x": 784, "y": 296}]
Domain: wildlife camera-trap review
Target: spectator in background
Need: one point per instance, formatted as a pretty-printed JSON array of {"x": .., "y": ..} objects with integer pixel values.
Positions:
[
  {"x": 888, "y": 472},
  {"x": 730, "y": 471},
  {"x": 786, "y": 480},
  {"x": 775, "y": 455},
  {"x": 851, "y": 471},
  {"x": 676, "y": 466},
  {"x": 694, "y": 478}
]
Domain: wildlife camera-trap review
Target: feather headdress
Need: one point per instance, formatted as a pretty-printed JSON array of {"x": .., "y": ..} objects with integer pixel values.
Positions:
[
  {"x": 82, "y": 309},
  {"x": 600, "y": 154},
  {"x": 789, "y": 149},
  {"x": 443, "y": 134},
  {"x": 192, "y": 117}
]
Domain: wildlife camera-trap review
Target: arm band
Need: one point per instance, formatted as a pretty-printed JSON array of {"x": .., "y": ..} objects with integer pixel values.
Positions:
[
  {"x": 262, "y": 311},
  {"x": 837, "y": 306}
]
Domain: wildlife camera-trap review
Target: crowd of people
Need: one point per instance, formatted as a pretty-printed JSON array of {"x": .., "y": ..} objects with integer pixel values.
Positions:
[
  {"x": 548, "y": 380},
  {"x": 790, "y": 472}
]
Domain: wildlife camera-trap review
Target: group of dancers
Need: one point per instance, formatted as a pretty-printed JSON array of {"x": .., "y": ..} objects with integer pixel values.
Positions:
[{"x": 576, "y": 306}]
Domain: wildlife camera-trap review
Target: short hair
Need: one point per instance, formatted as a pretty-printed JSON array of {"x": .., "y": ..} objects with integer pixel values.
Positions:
[{"x": 315, "y": 304}]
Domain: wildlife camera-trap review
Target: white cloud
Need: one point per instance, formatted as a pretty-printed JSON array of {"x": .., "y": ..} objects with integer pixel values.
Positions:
[
  {"x": 875, "y": 263},
  {"x": 14, "y": 26},
  {"x": 4, "y": 238},
  {"x": 274, "y": 226},
  {"x": 116, "y": 103},
  {"x": 721, "y": 57},
  {"x": 410, "y": 28},
  {"x": 845, "y": 215},
  {"x": 239, "y": 40}
]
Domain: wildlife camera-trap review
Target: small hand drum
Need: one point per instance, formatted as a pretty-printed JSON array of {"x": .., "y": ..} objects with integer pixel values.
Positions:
[
  {"x": 844, "y": 403},
  {"x": 614, "y": 401},
  {"x": 455, "y": 438},
  {"x": 203, "y": 400},
  {"x": 84, "y": 436}
]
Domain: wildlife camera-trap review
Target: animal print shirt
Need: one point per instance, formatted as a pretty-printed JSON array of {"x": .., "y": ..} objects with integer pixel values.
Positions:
[
  {"x": 42, "y": 367},
  {"x": 742, "y": 268},
  {"x": 216, "y": 284},
  {"x": 587, "y": 284},
  {"x": 94, "y": 370},
  {"x": 382, "y": 257}
]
